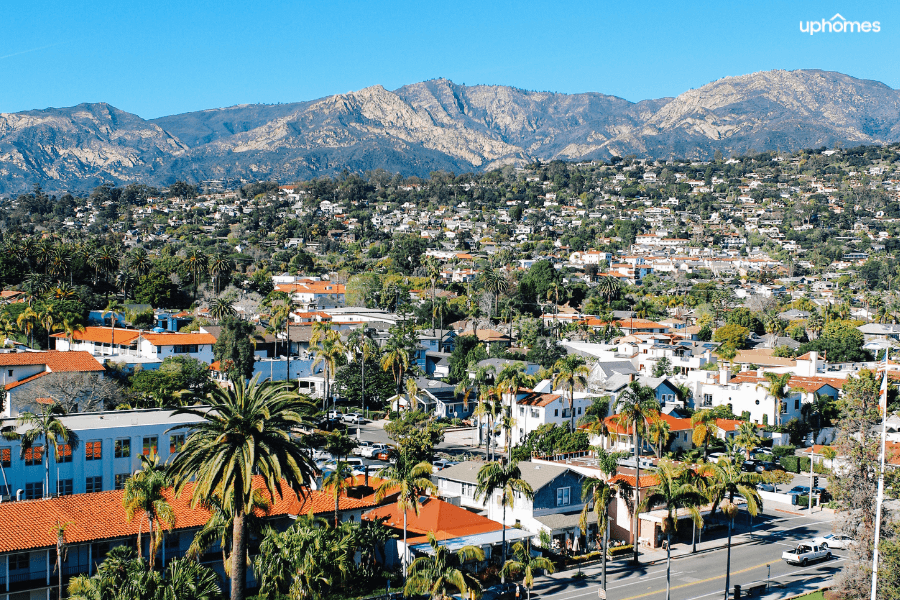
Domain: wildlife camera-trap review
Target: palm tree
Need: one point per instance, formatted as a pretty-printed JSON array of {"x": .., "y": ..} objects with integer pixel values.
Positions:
[
  {"x": 220, "y": 309},
  {"x": 609, "y": 287},
  {"x": 433, "y": 272},
  {"x": 637, "y": 408},
  {"x": 396, "y": 360},
  {"x": 47, "y": 318},
  {"x": 511, "y": 378},
  {"x": 219, "y": 264},
  {"x": 777, "y": 388},
  {"x": 144, "y": 494},
  {"x": 659, "y": 432},
  {"x": 747, "y": 437},
  {"x": 245, "y": 431},
  {"x": 441, "y": 569},
  {"x": 363, "y": 347},
  {"x": 47, "y": 427},
  {"x": 571, "y": 371},
  {"x": 478, "y": 381},
  {"x": 505, "y": 479},
  {"x": 26, "y": 321},
  {"x": 526, "y": 564},
  {"x": 113, "y": 308},
  {"x": 139, "y": 262},
  {"x": 195, "y": 262},
  {"x": 338, "y": 481},
  {"x": 220, "y": 525},
  {"x": 599, "y": 493},
  {"x": 705, "y": 429},
  {"x": 673, "y": 491},
  {"x": 412, "y": 395},
  {"x": 327, "y": 353},
  {"x": 439, "y": 309},
  {"x": 409, "y": 482}
]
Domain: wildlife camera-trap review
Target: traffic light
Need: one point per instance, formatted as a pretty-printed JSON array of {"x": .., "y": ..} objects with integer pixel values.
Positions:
[{"x": 815, "y": 481}]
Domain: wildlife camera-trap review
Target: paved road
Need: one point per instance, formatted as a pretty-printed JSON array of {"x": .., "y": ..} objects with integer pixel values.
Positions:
[{"x": 702, "y": 575}]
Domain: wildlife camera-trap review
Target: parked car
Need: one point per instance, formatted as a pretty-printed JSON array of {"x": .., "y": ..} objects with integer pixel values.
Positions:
[
  {"x": 834, "y": 541},
  {"x": 373, "y": 449},
  {"x": 361, "y": 448},
  {"x": 766, "y": 487},
  {"x": 355, "y": 463},
  {"x": 441, "y": 464},
  {"x": 799, "y": 490},
  {"x": 501, "y": 591},
  {"x": 806, "y": 553},
  {"x": 748, "y": 466},
  {"x": 333, "y": 414},
  {"x": 763, "y": 466},
  {"x": 387, "y": 455},
  {"x": 320, "y": 455},
  {"x": 353, "y": 418}
]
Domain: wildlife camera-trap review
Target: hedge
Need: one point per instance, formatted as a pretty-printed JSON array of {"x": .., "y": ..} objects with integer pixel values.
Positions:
[
  {"x": 614, "y": 552},
  {"x": 790, "y": 463}
]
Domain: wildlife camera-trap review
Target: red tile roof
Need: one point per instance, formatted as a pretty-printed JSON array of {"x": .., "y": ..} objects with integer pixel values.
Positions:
[
  {"x": 98, "y": 516},
  {"x": 646, "y": 480},
  {"x": 178, "y": 339},
  {"x": 808, "y": 384},
  {"x": 538, "y": 399},
  {"x": 15, "y": 384},
  {"x": 445, "y": 520},
  {"x": 103, "y": 335},
  {"x": 56, "y": 361},
  {"x": 675, "y": 424}
]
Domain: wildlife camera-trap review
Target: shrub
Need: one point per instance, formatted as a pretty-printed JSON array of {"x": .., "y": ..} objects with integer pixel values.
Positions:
[
  {"x": 790, "y": 463},
  {"x": 780, "y": 451},
  {"x": 619, "y": 550},
  {"x": 803, "y": 464}
]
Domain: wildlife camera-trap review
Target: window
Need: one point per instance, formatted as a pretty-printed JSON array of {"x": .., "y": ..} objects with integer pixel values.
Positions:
[
  {"x": 34, "y": 456},
  {"x": 176, "y": 443},
  {"x": 93, "y": 450},
  {"x": 5, "y": 457},
  {"x": 563, "y": 496},
  {"x": 521, "y": 411},
  {"x": 65, "y": 487},
  {"x": 65, "y": 453},
  {"x": 555, "y": 412},
  {"x": 784, "y": 408},
  {"x": 151, "y": 445},
  {"x": 121, "y": 478},
  {"x": 797, "y": 404},
  {"x": 123, "y": 448},
  {"x": 93, "y": 484},
  {"x": 707, "y": 399},
  {"x": 468, "y": 490},
  {"x": 579, "y": 410},
  {"x": 184, "y": 349},
  {"x": 757, "y": 402},
  {"x": 19, "y": 562},
  {"x": 173, "y": 541},
  {"x": 34, "y": 490},
  {"x": 534, "y": 413},
  {"x": 10, "y": 372}
]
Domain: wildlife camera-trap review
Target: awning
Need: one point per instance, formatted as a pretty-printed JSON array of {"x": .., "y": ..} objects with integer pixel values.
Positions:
[{"x": 490, "y": 538}]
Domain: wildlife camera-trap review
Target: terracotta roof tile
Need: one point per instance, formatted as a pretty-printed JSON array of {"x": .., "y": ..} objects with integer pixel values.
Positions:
[
  {"x": 442, "y": 518},
  {"x": 15, "y": 384},
  {"x": 103, "y": 335},
  {"x": 178, "y": 339}
]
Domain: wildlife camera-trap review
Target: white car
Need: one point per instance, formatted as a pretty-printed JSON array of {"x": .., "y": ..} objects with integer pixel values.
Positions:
[
  {"x": 361, "y": 448},
  {"x": 354, "y": 418},
  {"x": 806, "y": 553},
  {"x": 373, "y": 449},
  {"x": 441, "y": 464},
  {"x": 834, "y": 541}
]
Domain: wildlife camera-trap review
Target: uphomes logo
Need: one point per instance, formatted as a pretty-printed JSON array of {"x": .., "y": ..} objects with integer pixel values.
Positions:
[{"x": 838, "y": 24}]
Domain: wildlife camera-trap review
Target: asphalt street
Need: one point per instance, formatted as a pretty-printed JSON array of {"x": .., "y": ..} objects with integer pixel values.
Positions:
[{"x": 755, "y": 557}]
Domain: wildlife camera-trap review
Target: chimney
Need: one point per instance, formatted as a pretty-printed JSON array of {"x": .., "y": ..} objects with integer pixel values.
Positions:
[
  {"x": 631, "y": 377},
  {"x": 724, "y": 375}
]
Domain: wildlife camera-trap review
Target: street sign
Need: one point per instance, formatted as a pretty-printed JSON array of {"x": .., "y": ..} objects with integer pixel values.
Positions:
[{"x": 601, "y": 593}]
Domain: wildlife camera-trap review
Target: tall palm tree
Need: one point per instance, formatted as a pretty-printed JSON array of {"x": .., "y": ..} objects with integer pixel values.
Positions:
[
  {"x": 609, "y": 287},
  {"x": 526, "y": 564},
  {"x": 26, "y": 321},
  {"x": 139, "y": 262},
  {"x": 476, "y": 382},
  {"x": 747, "y": 437},
  {"x": 433, "y": 272},
  {"x": 412, "y": 394},
  {"x": 326, "y": 354},
  {"x": 338, "y": 481},
  {"x": 219, "y": 264},
  {"x": 597, "y": 493},
  {"x": 637, "y": 408},
  {"x": 571, "y": 372},
  {"x": 438, "y": 571},
  {"x": 143, "y": 495},
  {"x": 220, "y": 309},
  {"x": 221, "y": 523},
  {"x": 509, "y": 380},
  {"x": 659, "y": 432},
  {"x": 195, "y": 262},
  {"x": 47, "y": 318},
  {"x": 69, "y": 327},
  {"x": 395, "y": 359},
  {"x": 495, "y": 283},
  {"x": 245, "y": 431},
  {"x": 777, "y": 388},
  {"x": 47, "y": 427},
  {"x": 705, "y": 429},
  {"x": 362, "y": 347},
  {"x": 673, "y": 491},
  {"x": 724, "y": 480},
  {"x": 113, "y": 309},
  {"x": 505, "y": 480},
  {"x": 409, "y": 481}
]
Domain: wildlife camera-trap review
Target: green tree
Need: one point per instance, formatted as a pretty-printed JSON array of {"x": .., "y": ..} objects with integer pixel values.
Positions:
[
  {"x": 440, "y": 570},
  {"x": 409, "y": 480},
  {"x": 338, "y": 481},
  {"x": 637, "y": 408},
  {"x": 747, "y": 437},
  {"x": 245, "y": 431},
  {"x": 506, "y": 481},
  {"x": 523, "y": 562},
  {"x": 234, "y": 349},
  {"x": 777, "y": 388},
  {"x": 597, "y": 493},
  {"x": 705, "y": 429},
  {"x": 732, "y": 335},
  {"x": 143, "y": 495},
  {"x": 328, "y": 352},
  {"x": 841, "y": 341},
  {"x": 46, "y": 427},
  {"x": 571, "y": 372},
  {"x": 510, "y": 379}
]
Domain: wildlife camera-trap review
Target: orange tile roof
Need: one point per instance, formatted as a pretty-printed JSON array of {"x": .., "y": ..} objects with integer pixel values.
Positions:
[
  {"x": 15, "y": 384},
  {"x": 646, "y": 480},
  {"x": 103, "y": 335},
  {"x": 177, "y": 339},
  {"x": 443, "y": 519},
  {"x": 808, "y": 384},
  {"x": 56, "y": 361},
  {"x": 538, "y": 399},
  {"x": 675, "y": 424},
  {"x": 98, "y": 516},
  {"x": 311, "y": 287},
  {"x": 730, "y": 424}
]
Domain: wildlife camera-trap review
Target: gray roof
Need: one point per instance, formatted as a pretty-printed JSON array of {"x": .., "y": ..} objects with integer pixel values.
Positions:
[
  {"x": 536, "y": 475},
  {"x": 623, "y": 367},
  {"x": 560, "y": 521}
]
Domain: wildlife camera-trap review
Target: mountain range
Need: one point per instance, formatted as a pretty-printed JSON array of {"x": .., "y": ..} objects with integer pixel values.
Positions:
[{"x": 439, "y": 125}]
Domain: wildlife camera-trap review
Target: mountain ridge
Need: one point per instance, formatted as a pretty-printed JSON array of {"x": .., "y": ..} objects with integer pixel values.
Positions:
[{"x": 439, "y": 125}]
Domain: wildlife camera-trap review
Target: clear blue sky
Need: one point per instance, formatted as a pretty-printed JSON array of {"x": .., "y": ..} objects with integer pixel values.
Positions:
[{"x": 155, "y": 58}]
